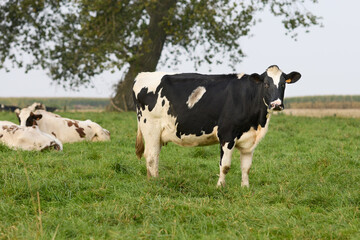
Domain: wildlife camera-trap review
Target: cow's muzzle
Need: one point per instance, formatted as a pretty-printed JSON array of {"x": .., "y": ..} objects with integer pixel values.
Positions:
[{"x": 276, "y": 105}]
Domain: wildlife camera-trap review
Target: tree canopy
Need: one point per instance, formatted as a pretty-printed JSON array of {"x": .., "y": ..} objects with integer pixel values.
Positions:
[{"x": 75, "y": 40}]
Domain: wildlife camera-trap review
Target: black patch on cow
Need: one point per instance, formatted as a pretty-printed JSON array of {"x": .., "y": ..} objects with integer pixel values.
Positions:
[
  {"x": 40, "y": 106},
  {"x": 231, "y": 144},
  {"x": 31, "y": 120},
  {"x": 163, "y": 102},
  {"x": 145, "y": 98},
  {"x": 234, "y": 105},
  {"x": 145, "y": 120},
  {"x": 1, "y": 135}
]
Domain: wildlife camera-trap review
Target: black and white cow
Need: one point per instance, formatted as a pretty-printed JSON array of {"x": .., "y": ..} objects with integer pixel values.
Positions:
[{"x": 194, "y": 110}]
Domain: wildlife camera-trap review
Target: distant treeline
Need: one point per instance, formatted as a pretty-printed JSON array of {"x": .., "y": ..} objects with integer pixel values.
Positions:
[
  {"x": 62, "y": 104},
  {"x": 321, "y": 102}
]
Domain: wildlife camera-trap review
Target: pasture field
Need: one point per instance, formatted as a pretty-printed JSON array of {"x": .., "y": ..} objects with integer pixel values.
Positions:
[
  {"x": 304, "y": 184},
  {"x": 324, "y": 102}
]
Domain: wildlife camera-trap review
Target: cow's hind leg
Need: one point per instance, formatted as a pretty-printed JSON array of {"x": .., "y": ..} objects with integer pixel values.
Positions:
[
  {"x": 246, "y": 160},
  {"x": 152, "y": 151},
  {"x": 225, "y": 162}
]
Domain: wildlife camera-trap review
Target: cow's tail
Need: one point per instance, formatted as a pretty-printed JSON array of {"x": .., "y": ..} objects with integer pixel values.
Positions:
[{"x": 139, "y": 146}]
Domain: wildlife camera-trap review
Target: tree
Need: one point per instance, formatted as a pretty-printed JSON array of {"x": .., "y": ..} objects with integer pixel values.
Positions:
[{"x": 79, "y": 39}]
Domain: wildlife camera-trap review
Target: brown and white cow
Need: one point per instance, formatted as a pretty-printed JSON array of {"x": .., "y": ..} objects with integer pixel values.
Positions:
[
  {"x": 27, "y": 138},
  {"x": 65, "y": 129}
]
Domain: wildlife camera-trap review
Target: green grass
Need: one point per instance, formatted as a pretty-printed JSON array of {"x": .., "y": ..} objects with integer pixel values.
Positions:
[{"x": 304, "y": 184}]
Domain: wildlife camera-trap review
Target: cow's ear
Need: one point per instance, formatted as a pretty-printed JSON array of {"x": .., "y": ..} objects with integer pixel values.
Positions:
[
  {"x": 256, "y": 77},
  {"x": 292, "y": 77}
]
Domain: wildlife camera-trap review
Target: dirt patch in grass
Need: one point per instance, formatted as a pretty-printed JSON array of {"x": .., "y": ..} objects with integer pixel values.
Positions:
[{"x": 350, "y": 113}]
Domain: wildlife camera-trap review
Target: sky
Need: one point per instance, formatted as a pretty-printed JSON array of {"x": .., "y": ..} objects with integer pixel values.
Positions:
[{"x": 327, "y": 58}]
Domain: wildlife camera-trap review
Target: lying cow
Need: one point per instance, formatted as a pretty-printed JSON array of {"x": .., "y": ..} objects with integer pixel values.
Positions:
[
  {"x": 195, "y": 110},
  {"x": 27, "y": 138},
  {"x": 65, "y": 129}
]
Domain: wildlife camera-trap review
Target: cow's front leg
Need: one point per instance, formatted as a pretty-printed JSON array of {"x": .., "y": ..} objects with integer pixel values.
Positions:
[
  {"x": 225, "y": 162},
  {"x": 246, "y": 160}
]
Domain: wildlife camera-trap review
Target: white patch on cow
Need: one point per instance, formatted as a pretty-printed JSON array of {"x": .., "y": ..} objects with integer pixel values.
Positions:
[
  {"x": 240, "y": 75},
  {"x": 250, "y": 139},
  {"x": 275, "y": 73},
  {"x": 191, "y": 140},
  {"x": 276, "y": 102},
  {"x": 225, "y": 164},
  {"x": 246, "y": 161},
  {"x": 195, "y": 96},
  {"x": 6, "y": 123},
  {"x": 23, "y": 116},
  {"x": 150, "y": 80}
]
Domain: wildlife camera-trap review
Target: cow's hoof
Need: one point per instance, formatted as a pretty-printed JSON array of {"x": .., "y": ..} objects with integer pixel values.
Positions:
[{"x": 245, "y": 185}]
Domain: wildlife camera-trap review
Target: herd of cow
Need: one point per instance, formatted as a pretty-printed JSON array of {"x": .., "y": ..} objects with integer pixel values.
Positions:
[
  {"x": 187, "y": 109},
  {"x": 39, "y": 129}
]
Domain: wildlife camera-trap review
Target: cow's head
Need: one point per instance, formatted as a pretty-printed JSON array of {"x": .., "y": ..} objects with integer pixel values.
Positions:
[
  {"x": 27, "y": 117},
  {"x": 273, "y": 83}
]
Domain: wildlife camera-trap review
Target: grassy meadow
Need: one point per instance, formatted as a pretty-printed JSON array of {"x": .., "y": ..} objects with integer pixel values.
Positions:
[
  {"x": 324, "y": 102},
  {"x": 304, "y": 184}
]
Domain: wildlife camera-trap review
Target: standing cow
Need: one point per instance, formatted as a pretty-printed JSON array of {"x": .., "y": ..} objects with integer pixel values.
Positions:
[{"x": 196, "y": 110}]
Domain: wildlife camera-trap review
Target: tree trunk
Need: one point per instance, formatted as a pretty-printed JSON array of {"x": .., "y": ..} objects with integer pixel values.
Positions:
[{"x": 147, "y": 57}]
